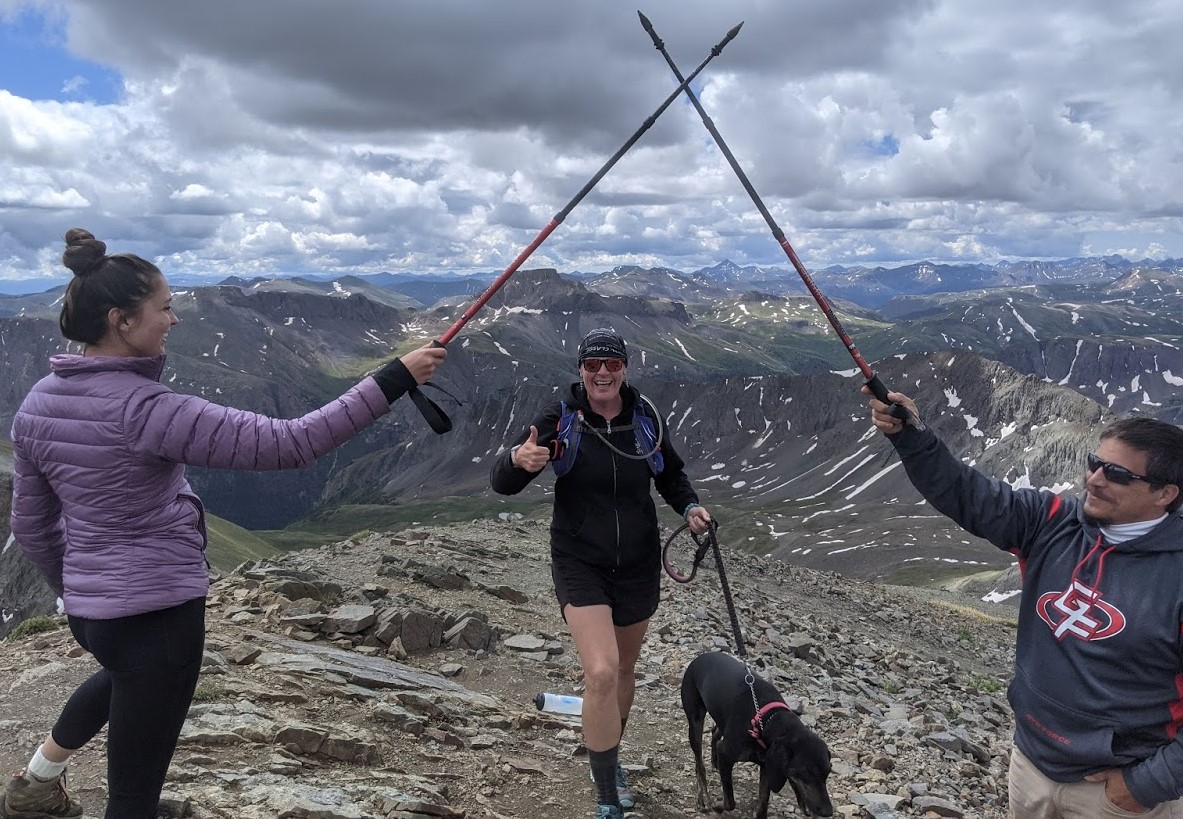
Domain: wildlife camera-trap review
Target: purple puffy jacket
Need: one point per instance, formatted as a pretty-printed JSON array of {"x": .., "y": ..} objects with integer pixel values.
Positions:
[{"x": 100, "y": 502}]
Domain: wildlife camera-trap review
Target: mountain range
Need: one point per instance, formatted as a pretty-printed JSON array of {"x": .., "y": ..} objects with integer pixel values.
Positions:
[{"x": 1016, "y": 365}]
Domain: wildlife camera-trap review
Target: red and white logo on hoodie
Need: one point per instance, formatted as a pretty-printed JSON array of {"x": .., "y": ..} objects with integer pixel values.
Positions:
[{"x": 1079, "y": 612}]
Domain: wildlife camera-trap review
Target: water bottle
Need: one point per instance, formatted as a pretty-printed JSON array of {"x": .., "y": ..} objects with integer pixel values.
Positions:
[{"x": 559, "y": 703}]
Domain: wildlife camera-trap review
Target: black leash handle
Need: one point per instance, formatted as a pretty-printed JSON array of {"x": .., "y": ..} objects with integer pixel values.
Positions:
[
  {"x": 699, "y": 554},
  {"x": 709, "y": 540}
]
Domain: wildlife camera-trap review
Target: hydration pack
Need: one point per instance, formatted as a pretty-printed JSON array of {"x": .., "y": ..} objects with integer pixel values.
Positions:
[{"x": 565, "y": 446}]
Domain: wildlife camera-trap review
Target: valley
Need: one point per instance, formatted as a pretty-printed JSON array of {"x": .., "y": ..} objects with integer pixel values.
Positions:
[{"x": 1016, "y": 369}]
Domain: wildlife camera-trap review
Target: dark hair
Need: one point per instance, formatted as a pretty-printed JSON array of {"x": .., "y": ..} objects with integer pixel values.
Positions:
[
  {"x": 100, "y": 282},
  {"x": 1161, "y": 443}
]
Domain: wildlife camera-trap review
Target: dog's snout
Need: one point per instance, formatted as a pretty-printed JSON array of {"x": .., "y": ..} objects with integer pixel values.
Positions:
[{"x": 813, "y": 799}]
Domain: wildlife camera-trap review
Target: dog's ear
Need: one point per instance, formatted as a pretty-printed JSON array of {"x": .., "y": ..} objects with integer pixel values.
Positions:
[{"x": 776, "y": 765}]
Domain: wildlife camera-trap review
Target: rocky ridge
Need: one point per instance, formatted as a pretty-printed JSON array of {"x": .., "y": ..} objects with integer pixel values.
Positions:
[{"x": 392, "y": 676}]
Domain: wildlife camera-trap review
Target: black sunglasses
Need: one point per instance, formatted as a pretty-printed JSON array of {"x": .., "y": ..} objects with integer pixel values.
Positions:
[
  {"x": 592, "y": 365},
  {"x": 1116, "y": 474}
]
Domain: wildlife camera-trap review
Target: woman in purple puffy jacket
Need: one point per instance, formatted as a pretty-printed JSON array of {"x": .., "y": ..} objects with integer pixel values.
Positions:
[{"x": 101, "y": 506}]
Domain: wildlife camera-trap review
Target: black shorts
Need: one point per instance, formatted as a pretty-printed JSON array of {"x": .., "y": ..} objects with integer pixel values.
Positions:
[{"x": 631, "y": 592}]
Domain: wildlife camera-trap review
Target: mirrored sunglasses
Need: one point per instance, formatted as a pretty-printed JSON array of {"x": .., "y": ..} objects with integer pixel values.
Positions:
[
  {"x": 592, "y": 365},
  {"x": 1114, "y": 473}
]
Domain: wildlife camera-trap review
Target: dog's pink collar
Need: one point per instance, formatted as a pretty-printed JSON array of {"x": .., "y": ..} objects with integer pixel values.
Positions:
[{"x": 757, "y": 730}]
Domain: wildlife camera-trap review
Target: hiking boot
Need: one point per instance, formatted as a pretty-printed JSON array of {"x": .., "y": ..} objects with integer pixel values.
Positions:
[
  {"x": 623, "y": 792},
  {"x": 27, "y": 797},
  {"x": 608, "y": 812}
]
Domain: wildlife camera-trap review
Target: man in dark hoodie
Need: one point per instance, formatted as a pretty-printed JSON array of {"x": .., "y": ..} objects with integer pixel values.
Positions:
[
  {"x": 609, "y": 447},
  {"x": 1098, "y": 685}
]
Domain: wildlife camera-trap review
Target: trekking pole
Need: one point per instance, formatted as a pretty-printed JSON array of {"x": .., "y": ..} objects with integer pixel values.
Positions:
[
  {"x": 434, "y": 416},
  {"x": 558, "y": 218},
  {"x": 876, "y": 386}
]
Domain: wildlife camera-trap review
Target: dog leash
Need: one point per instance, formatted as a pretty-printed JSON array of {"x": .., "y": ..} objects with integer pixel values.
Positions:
[{"x": 707, "y": 541}]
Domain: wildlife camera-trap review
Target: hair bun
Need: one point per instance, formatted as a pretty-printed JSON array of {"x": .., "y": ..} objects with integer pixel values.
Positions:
[{"x": 83, "y": 251}]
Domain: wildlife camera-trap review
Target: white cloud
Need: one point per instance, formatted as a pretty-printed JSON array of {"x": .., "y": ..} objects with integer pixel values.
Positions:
[
  {"x": 192, "y": 191},
  {"x": 75, "y": 85},
  {"x": 271, "y": 136}
]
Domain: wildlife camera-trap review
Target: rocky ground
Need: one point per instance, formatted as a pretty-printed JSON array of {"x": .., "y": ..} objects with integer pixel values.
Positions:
[{"x": 393, "y": 676}]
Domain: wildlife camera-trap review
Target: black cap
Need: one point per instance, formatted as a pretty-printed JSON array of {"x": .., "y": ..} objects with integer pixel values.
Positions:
[{"x": 603, "y": 343}]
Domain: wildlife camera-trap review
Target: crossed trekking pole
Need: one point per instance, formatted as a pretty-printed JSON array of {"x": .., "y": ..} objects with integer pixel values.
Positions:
[
  {"x": 435, "y": 416},
  {"x": 878, "y": 389}
]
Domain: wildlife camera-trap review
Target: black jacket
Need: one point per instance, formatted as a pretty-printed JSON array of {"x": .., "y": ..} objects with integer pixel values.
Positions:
[{"x": 603, "y": 510}]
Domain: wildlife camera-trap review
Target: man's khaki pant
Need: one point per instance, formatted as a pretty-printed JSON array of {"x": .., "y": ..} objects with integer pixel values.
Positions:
[{"x": 1034, "y": 796}]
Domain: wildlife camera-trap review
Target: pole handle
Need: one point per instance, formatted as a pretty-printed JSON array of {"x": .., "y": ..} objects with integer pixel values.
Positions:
[
  {"x": 879, "y": 390},
  {"x": 435, "y": 417}
]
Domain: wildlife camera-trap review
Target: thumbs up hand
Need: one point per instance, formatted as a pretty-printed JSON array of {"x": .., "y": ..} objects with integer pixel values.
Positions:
[{"x": 529, "y": 455}]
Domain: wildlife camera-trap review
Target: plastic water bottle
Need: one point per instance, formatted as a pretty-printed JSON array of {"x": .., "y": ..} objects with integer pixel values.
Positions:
[{"x": 559, "y": 703}]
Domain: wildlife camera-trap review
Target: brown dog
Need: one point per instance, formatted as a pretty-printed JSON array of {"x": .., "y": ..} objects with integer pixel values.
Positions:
[{"x": 778, "y": 741}]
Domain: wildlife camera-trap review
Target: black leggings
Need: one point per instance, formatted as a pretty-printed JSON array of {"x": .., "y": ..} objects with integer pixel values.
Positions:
[{"x": 150, "y": 665}]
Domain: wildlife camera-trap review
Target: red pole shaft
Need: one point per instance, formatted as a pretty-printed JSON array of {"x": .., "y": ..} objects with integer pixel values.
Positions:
[
  {"x": 558, "y": 218},
  {"x": 867, "y": 372},
  {"x": 877, "y": 387},
  {"x": 496, "y": 285}
]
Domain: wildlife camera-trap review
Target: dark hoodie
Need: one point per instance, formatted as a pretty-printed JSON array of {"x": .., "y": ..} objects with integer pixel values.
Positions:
[
  {"x": 1099, "y": 658},
  {"x": 603, "y": 510}
]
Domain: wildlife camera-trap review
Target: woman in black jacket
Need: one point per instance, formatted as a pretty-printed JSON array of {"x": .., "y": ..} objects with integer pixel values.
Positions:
[{"x": 609, "y": 446}]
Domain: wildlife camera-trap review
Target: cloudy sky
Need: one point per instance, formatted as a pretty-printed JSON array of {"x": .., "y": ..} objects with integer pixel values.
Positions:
[{"x": 304, "y": 136}]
